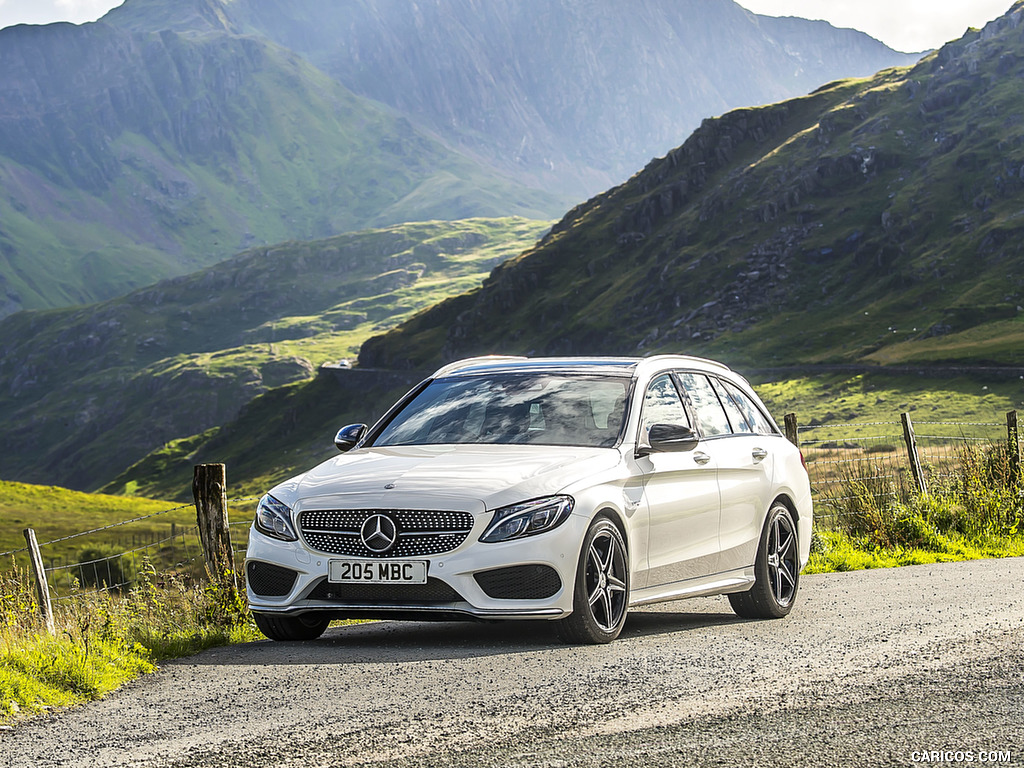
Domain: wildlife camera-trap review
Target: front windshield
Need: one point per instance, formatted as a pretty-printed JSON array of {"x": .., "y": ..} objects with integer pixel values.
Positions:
[{"x": 534, "y": 408}]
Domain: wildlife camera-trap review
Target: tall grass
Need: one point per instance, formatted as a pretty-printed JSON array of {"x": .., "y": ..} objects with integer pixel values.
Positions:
[
  {"x": 872, "y": 520},
  {"x": 104, "y": 639}
]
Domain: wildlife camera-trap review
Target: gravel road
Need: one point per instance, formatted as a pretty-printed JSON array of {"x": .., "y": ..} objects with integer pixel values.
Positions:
[{"x": 870, "y": 669}]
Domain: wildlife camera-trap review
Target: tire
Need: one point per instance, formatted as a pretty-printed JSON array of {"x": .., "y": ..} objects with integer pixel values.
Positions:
[
  {"x": 288, "y": 628},
  {"x": 601, "y": 590},
  {"x": 776, "y": 570}
]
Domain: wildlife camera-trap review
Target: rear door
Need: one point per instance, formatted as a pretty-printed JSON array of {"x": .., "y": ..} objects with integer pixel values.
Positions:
[{"x": 745, "y": 464}]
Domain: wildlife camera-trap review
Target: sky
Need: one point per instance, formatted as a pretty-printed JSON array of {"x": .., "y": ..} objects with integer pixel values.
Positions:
[{"x": 906, "y": 25}]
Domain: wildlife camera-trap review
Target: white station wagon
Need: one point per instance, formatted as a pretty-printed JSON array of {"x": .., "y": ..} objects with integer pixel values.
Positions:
[{"x": 536, "y": 488}]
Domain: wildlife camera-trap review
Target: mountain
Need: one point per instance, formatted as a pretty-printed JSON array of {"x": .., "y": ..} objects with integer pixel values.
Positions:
[
  {"x": 173, "y": 133},
  {"x": 874, "y": 221},
  {"x": 872, "y": 224},
  {"x": 130, "y": 156},
  {"x": 578, "y": 94},
  {"x": 87, "y": 391}
]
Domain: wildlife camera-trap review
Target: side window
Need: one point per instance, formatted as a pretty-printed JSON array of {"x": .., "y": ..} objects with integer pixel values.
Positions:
[
  {"x": 710, "y": 414},
  {"x": 754, "y": 415},
  {"x": 737, "y": 418},
  {"x": 662, "y": 404}
]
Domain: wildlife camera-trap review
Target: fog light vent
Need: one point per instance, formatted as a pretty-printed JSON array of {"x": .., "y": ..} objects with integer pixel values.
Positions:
[
  {"x": 269, "y": 580},
  {"x": 520, "y": 582}
]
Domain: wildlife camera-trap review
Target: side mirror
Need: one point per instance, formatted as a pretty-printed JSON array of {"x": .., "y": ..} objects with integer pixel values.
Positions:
[
  {"x": 666, "y": 438},
  {"x": 347, "y": 437}
]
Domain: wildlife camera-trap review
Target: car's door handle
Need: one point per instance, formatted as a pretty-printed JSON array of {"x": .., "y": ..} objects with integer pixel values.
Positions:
[
  {"x": 701, "y": 458},
  {"x": 759, "y": 454}
]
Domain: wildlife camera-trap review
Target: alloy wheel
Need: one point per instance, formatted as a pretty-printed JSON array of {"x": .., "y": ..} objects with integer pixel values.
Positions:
[
  {"x": 782, "y": 558},
  {"x": 606, "y": 580}
]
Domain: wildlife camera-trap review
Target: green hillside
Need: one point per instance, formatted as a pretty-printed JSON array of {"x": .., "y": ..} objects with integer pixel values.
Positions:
[
  {"x": 57, "y": 512},
  {"x": 135, "y": 156},
  {"x": 867, "y": 224},
  {"x": 874, "y": 221},
  {"x": 87, "y": 391}
]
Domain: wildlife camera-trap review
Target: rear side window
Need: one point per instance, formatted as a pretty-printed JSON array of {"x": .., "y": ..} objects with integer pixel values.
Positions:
[
  {"x": 739, "y": 422},
  {"x": 706, "y": 405},
  {"x": 753, "y": 414}
]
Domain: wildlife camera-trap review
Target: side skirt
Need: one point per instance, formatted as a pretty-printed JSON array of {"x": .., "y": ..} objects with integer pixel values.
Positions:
[{"x": 739, "y": 580}]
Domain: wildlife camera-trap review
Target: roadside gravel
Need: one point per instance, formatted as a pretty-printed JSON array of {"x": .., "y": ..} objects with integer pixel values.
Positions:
[{"x": 869, "y": 669}]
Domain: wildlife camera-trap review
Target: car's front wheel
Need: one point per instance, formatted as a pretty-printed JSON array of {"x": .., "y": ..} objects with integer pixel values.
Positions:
[
  {"x": 776, "y": 570},
  {"x": 290, "y": 627},
  {"x": 601, "y": 590}
]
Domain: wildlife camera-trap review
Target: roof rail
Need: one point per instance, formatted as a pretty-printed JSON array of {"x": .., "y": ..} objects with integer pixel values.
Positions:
[
  {"x": 691, "y": 358},
  {"x": 458, "y": 365}
]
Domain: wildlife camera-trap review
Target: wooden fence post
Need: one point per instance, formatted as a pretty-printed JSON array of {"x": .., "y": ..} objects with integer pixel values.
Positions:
[
  {"x": 792, "y": 432},
  {"x": 1013, "y": 444},
  {"x": 209, "y": 483},
  {"x": 42, "y": 588},
  {"x": 915, "y": 460}
]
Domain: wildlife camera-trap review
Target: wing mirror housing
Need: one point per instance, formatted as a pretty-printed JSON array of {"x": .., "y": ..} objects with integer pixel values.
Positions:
[
  {"x": 668, "y": 438},
  {"x": 347, "y": 437}
]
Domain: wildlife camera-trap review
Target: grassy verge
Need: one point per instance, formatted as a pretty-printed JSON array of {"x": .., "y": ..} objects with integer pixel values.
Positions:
[
  {"x": 870, "y": 521},
  {"x": 105, "y": 639}
]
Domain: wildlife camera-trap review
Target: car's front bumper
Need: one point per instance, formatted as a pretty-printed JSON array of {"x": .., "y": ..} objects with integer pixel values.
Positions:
[{"x": 527, "y": 578}]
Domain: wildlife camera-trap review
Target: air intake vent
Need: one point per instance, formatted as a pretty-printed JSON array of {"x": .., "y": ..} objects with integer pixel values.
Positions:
[
  {"x": 269, "y": 580},
  {"x": 520, "y": 582}
]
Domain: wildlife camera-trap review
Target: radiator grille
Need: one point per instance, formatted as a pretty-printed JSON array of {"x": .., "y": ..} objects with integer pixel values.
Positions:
[{"x": 419, "y": 532}]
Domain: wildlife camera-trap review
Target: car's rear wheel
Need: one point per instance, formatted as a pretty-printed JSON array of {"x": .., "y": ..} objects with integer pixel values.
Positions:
[
  {"x": 290, "y": 627},
  {"x": 601, "y": 590},
  {"x": 776, "y": 570}
]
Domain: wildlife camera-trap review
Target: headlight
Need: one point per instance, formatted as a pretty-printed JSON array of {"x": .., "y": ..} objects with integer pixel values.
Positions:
[
  {"x": 528, "y": 518},
  {"x": 274, "y": 519}
]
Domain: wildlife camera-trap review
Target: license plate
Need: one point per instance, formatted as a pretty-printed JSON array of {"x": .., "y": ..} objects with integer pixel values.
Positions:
[{"x": 377, "y": 571}]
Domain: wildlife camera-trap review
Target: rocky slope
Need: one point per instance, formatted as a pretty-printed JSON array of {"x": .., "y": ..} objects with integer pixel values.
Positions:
[
  {"x": 874, "y": 220},
  {"x": 577, "y": 94}
]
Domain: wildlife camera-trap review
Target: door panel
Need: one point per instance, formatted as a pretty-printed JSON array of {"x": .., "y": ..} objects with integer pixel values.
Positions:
[
  {"x": 684, "y": 508},
  {"x": 745, "y": 466}
]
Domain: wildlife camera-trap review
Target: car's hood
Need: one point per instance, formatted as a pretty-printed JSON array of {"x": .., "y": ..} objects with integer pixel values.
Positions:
[{"x": 474, "y": 477}]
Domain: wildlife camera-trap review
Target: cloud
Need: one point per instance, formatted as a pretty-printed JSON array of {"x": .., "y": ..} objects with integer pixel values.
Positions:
[
  {"x": 907, "y": 25},
  {"x": 84, "y": 10}
]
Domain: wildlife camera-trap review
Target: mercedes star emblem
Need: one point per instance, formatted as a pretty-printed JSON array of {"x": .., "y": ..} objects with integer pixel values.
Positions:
[{"x": 379, "y": 533}]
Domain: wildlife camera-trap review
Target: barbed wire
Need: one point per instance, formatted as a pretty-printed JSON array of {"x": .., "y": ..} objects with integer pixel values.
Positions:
[
  {"x": 99, "y": 530},
  {"x": 808, "y": 427},
  {"x": 180, "y": 534},
  {"x": 852, "y": 438},
  {"x": 121, "y": 523}
]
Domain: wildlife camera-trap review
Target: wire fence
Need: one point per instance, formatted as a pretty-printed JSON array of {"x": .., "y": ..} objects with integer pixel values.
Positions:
[
  {"x": 113, "y": 557},
  {"x": 879, "y": 457}
]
